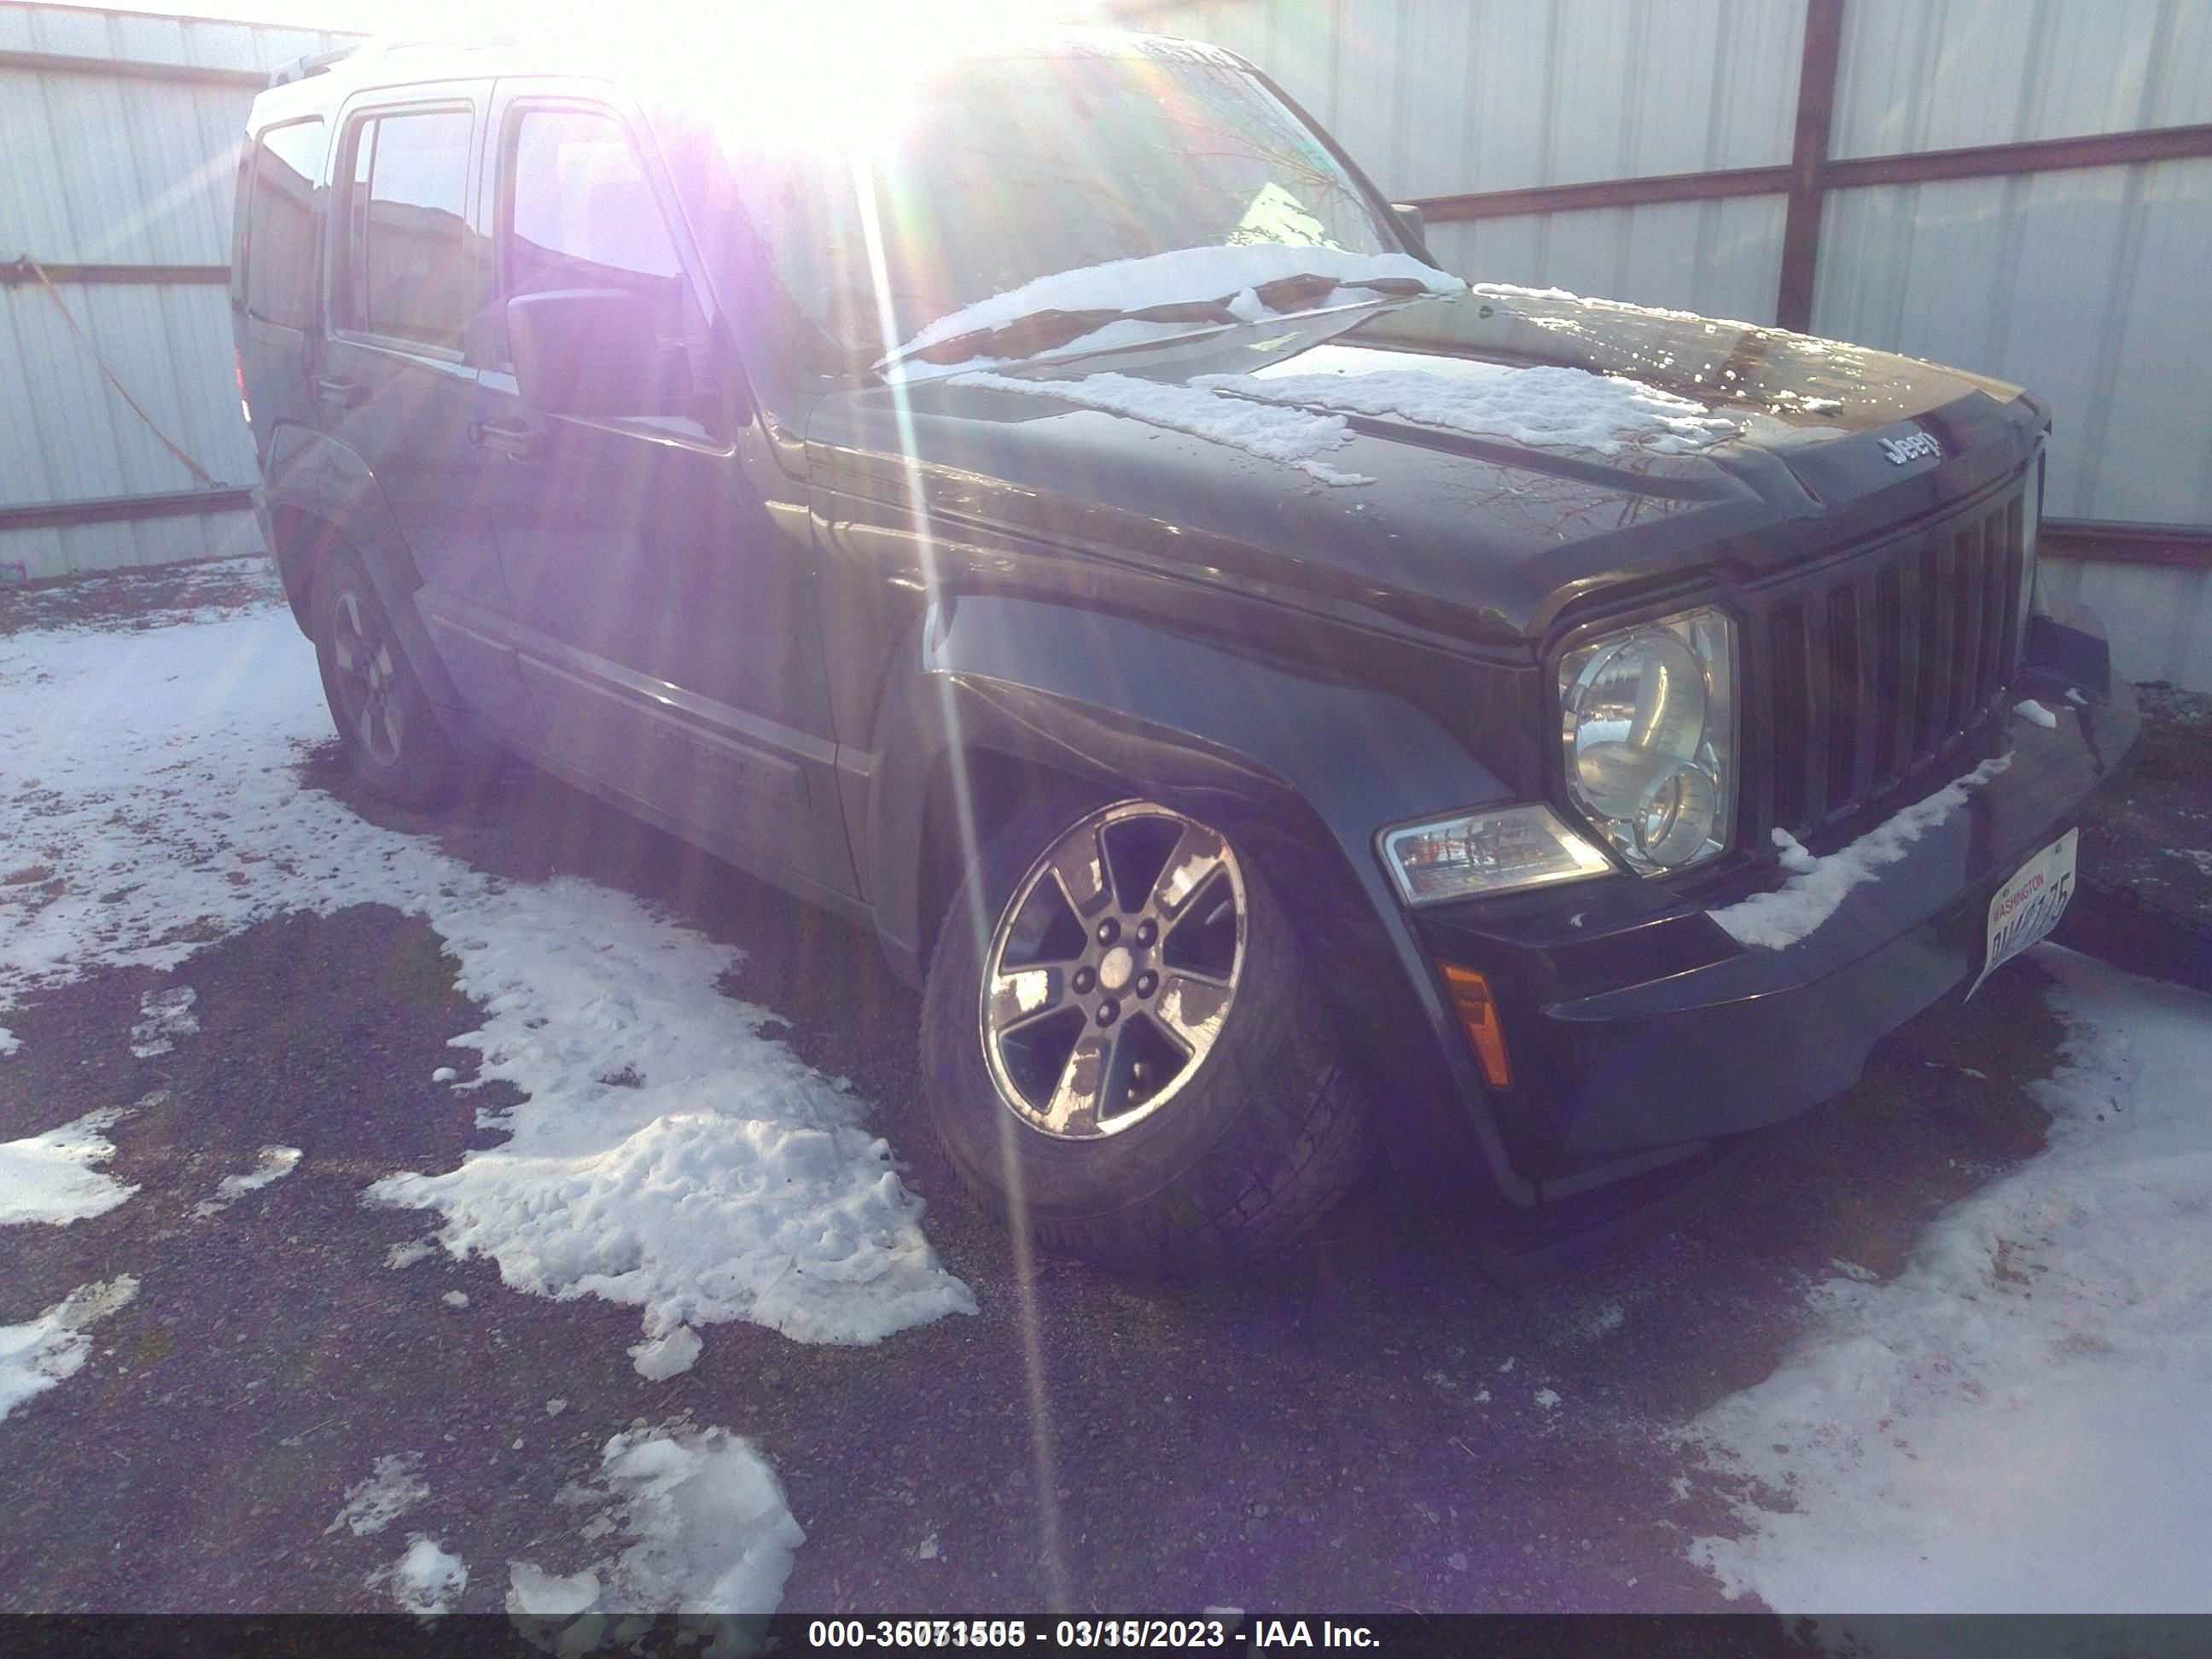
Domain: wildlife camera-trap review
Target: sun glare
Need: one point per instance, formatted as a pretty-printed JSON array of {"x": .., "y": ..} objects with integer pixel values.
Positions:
[{"x": 836, "y": 72}]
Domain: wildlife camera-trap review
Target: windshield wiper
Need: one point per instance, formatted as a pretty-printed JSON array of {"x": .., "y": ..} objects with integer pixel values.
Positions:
[
  {"x": 1041, "y": 330},
  {"x": 1304, "y": 287}
]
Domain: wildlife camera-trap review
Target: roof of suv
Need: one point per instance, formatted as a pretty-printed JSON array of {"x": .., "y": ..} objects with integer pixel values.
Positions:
[{"x": 406, "y": 61}]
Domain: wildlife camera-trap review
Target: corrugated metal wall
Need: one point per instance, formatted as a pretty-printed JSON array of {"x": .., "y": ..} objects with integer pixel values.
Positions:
[
  {"x": 2092, "y": 285},
  {"x": 1445, "y": 97},
  {"x": 103, "y": 166}
]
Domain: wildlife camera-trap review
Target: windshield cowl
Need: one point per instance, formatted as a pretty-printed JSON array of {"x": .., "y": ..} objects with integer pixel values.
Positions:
[{"x": 1136, "y": 301}]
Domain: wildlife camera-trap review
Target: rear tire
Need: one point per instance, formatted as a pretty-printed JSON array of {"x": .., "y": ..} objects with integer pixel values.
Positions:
[
  {"x": 391, "y": 736},
  {"x": 1209, "y": 1120}
]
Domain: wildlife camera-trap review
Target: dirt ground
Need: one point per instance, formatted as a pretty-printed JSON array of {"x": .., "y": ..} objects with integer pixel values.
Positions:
[{"x": 1363, "y": 1425}]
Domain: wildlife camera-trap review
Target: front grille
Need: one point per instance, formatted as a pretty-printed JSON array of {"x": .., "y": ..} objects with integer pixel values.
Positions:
[{"x": 1878, "y": 668}]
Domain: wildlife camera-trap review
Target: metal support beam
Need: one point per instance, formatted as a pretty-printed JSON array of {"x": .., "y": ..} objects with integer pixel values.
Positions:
[
  {"x": 17, "y": 273},
  {"x": 109, "y": 509},
  {"x": 1606, "y": 193},
  {"x": 132, "y": 69},
  {"x": 1808, "y": 156},
  {"x": 2115, "y": 542}
]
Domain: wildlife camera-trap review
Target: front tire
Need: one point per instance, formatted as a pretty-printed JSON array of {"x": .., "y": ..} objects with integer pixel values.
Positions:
[
  {"x": 384, "y": 722},
  {"x": 1128, "y": 1056}
]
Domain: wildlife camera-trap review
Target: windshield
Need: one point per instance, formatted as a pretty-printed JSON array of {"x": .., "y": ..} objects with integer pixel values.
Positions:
[{"x": 1002, "y": 170}]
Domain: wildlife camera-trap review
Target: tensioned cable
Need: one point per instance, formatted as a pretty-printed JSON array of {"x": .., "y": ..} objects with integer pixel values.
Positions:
[{"x": 27, "y": 262}]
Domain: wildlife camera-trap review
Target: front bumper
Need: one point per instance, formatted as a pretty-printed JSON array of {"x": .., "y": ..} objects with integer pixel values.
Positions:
[{"x": 1637, "y": 1025}]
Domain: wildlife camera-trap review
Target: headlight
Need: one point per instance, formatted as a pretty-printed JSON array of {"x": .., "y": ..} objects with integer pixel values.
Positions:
[
  {"x": 1492, "y": 851},
  {"x": 1650, "y": 729}
]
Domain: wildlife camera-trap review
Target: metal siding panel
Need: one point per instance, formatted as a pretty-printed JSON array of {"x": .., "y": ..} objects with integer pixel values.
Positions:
[
  {"x": 2181, "y": 88},
  {"x": 1507, "y": 82},
  {"x": 1301, "y": 56},
  {"x": 2159, "y": 617},
  {"x": 1435, "y": 111},
  {"x": 1722, "y": 259},
  {"x": 2087, "y": 286},
  {"x": 125, "y": 170},
  {"x": 78, "y": 439},
  {"x": 1940, "y": 74},
  {"x": 2153, "y": 463},
  {"x": 1435, "y": 97},
  {"x": 52, "y": 550},
  {"x": 157, "y": 192}
]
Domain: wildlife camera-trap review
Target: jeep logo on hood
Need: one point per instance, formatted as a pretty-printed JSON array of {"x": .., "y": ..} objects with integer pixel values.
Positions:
[{"x": 1901, "y": 450}]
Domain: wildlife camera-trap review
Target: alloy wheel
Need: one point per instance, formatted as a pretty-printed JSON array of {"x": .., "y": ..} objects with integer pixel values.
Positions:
[
  {"x": 368, "y": 680},
  {"x": 1112, "y": 970}
]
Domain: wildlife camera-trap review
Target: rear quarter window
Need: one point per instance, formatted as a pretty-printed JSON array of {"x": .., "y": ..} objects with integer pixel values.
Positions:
[
  {"x": 406, "y": 272},
  {"x": 280, "y": 224}
]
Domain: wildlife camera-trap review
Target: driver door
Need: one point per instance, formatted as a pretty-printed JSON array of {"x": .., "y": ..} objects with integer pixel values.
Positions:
[{"x": 664, "y": 623}]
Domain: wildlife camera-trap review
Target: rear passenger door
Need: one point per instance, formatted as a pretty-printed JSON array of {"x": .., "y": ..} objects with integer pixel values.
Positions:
[
  {"x": 275, "y": 292},
  {"x": 406, "y": 290},
  {"x": 665, "y": 624}
]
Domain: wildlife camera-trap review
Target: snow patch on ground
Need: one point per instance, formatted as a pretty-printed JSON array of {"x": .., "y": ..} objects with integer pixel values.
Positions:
[
  {"x": 394, "y": 1486},
  {"x": 425, "y": 1580},
  {"x": 2015, "y": 1423},
  {"x": 1544, "y": 407},
  {"x": 164, "y": 1016},
  {"x": 1814, "y": 893},
  {"x": 50, "y": 1177},
  {"x": 667, "y": 1356},
  {"x": 738, "y": 1183},
  {"x": 1178, "y": 276},
  {"x": 707, "y": 1528},
  {"x": 270, "y": 1164},
  {"x": 36, "y": 1355},
  {"x": 1293, "y": 436}
]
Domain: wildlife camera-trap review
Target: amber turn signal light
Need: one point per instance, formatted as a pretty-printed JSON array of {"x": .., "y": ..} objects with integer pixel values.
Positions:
[{"x": 1478, "y": 1014}]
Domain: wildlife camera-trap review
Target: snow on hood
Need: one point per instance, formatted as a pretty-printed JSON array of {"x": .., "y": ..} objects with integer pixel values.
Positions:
[
  {"x": 1180, "y": 276},
  {"x": 1545, "y": 407},
  {"x": 1296, "y": 419},
  {"x": 1295, "y": 437}
]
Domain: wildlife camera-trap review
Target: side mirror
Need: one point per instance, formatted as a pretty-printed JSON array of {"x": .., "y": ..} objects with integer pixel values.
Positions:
[
  {"x": 1415, "y": 226},
  {"x": 593, "y": 351}
]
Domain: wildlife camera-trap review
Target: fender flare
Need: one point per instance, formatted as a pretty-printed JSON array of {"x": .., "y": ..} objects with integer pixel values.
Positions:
[
  {"x": 312, "y": 473},
  {"x": 1302, "y": 770}
]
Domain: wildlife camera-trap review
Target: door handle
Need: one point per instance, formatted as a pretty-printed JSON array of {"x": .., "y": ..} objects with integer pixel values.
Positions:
[
  {"x": 515, "y": 441},
  {"x": 337, "y": 392}
]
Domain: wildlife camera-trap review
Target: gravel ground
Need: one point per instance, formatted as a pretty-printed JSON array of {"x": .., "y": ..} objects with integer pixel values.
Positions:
[
  {"x": 1381, "y": 1422},
  {"x": 2151, "y": 834}
]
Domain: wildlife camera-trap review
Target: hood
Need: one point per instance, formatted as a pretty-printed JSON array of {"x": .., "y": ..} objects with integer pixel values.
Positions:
[{"x": 1469, "y": 464}]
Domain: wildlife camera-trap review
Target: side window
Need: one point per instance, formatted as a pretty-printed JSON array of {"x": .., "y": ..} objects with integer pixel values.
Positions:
[
  {"x": 406, "y": 268},
  {"x": 280, "y": 229},
  {"x": 581, "y": 214}
]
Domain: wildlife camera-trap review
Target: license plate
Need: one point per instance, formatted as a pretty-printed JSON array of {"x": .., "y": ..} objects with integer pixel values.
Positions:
[{"x": 2028, "y": 906}]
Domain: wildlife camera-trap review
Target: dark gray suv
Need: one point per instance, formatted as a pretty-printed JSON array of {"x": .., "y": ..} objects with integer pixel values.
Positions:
[{"x": 1274, "y": 697}]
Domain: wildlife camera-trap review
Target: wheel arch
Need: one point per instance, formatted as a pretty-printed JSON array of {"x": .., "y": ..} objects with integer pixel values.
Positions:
[
  {"x": 1004, "y": 696},
  {"x": 321, "y": 498}
]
